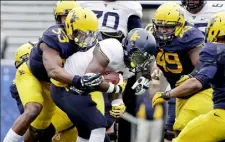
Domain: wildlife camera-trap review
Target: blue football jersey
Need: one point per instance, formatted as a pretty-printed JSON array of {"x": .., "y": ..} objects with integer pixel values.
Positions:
[
  {"x": 212, "y": 61},
  {"x": 173, "y": 59},
  {"x": 54, "y": 37}
]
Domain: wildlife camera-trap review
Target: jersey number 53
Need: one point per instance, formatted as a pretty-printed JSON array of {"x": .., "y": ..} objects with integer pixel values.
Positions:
[
  {"x": 170, "y": 62},
  {"x": 61, "y": 35},
  {"x": 106, "y": 16}
]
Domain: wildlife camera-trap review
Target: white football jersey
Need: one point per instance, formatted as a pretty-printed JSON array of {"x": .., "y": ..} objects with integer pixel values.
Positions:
[
  {"x": 201, "y": 18},
  {"x": 113, "y": 16},
  {"x": 113, "y": 50}
]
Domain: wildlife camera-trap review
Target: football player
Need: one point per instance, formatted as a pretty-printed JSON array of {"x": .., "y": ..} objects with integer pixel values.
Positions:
[
  {"x": 36, "y": 96},
  {"x": 60, "y": 12},
  {"x": 62, "y": 9},
  {"x": 116, "y": 18},
  {"x": 179, "y": 45},
  {"x": 21, "y": 55},
  {"x": 62, "y": 128},
  {"x": 198, "y": 12},
  {"x": 210, "y": 126},
  {"x": 150, "y": 120},
  {"x": 87, "y": 110}
]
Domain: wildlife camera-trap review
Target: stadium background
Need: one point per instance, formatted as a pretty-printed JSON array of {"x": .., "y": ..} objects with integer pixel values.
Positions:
[{"x": 23, "y": 21}]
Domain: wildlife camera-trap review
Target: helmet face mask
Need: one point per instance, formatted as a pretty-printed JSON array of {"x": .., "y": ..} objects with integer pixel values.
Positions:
[
  {"x": 84, "y": 39},
  {"x": 140, "y": 60},
  {"x": 22, "y": 53},
  {"x": 136, "y": 56},
  {"x": 137, "y": 61},
  {"x": 193, "y": 5},
  {"x": 58, "y": 17},
  {"x": 63, "y": 8},
  {"x": 164, "y": 33},
  {"x": 22, "y": 59}
]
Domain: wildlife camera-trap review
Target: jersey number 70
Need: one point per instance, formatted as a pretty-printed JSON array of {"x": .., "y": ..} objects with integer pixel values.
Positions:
[{"x": 106, "y": 16}]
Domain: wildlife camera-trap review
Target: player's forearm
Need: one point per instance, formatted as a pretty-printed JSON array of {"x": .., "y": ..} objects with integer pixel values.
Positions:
[
  {"x": 60, "y": 75},
  {"x": 187, "y": 88}
]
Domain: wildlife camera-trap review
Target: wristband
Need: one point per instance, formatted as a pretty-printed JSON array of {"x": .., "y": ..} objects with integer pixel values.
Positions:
[
  {"x": 111, "y": 88},
  {"x": 76, "y": 81},
  {"x": 118, "y": 89},
  {"x": 117, "y": 102},
  {"x": 166, "y": 95}
]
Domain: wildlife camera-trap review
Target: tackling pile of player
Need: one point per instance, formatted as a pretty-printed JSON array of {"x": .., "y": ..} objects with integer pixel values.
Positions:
[{"x": 60, "y": 79}]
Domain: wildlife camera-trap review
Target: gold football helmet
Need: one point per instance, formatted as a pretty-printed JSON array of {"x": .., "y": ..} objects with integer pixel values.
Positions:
[
  {"x": 62, "y": 8},
  {"x": 22, "y": 53},
  {"x": 168, "y": 15},
  {"x": 81, "y": 26},
  {"x": 216, "y": 27}
]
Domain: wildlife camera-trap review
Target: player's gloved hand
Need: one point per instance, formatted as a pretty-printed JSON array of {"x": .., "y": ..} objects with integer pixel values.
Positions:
[
  {"x": 141, "y": 85},
  {"x": 156, "y": 73},
  {"x": 89, "y": 81},
  {"x": 160, "y": 97},
  {"x": 182, "y": 79},
  {"x": 118, "y": 108}
]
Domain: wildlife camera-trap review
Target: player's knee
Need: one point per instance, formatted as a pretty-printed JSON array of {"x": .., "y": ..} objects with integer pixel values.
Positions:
[
  {"x": 35, "y": 133},
  {"x": 32, "y": 110}
]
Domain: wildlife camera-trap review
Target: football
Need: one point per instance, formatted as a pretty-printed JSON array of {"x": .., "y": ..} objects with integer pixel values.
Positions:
[{"x": 112, "y": 77}]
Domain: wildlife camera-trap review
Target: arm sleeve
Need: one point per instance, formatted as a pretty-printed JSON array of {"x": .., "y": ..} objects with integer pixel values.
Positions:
[
  {"x": 193, "y": 38},
  {"x": 134, "y": 22},
  {"x": 208, "y": 65},
  {"x": 51, "y": 41}
]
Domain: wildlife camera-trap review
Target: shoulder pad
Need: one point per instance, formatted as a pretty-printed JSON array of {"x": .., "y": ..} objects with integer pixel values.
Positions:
[
  {"x": 134, "y": 8},
  {"x": 191, "y": 37},
  {"x": 208, "y": 53},
  {"x": 55, "y": 37},
  {"x": 112, "y": 49}
]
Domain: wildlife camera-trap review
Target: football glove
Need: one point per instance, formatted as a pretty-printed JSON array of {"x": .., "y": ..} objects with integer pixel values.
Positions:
[
  {"x": 160, "y": 97},
  {"x": 87, "y": 82},
  {"x": 182, "y": 79},
  {"x": 118, "y": 108},
  {"x": 141, "y": 85},
  {"x": 156, "y": 73}
]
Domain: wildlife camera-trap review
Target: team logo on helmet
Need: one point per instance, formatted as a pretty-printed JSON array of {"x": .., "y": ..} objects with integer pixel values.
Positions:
[
  {"x": 73, "y": 17},
  {"x": 135, "y": 36}
]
